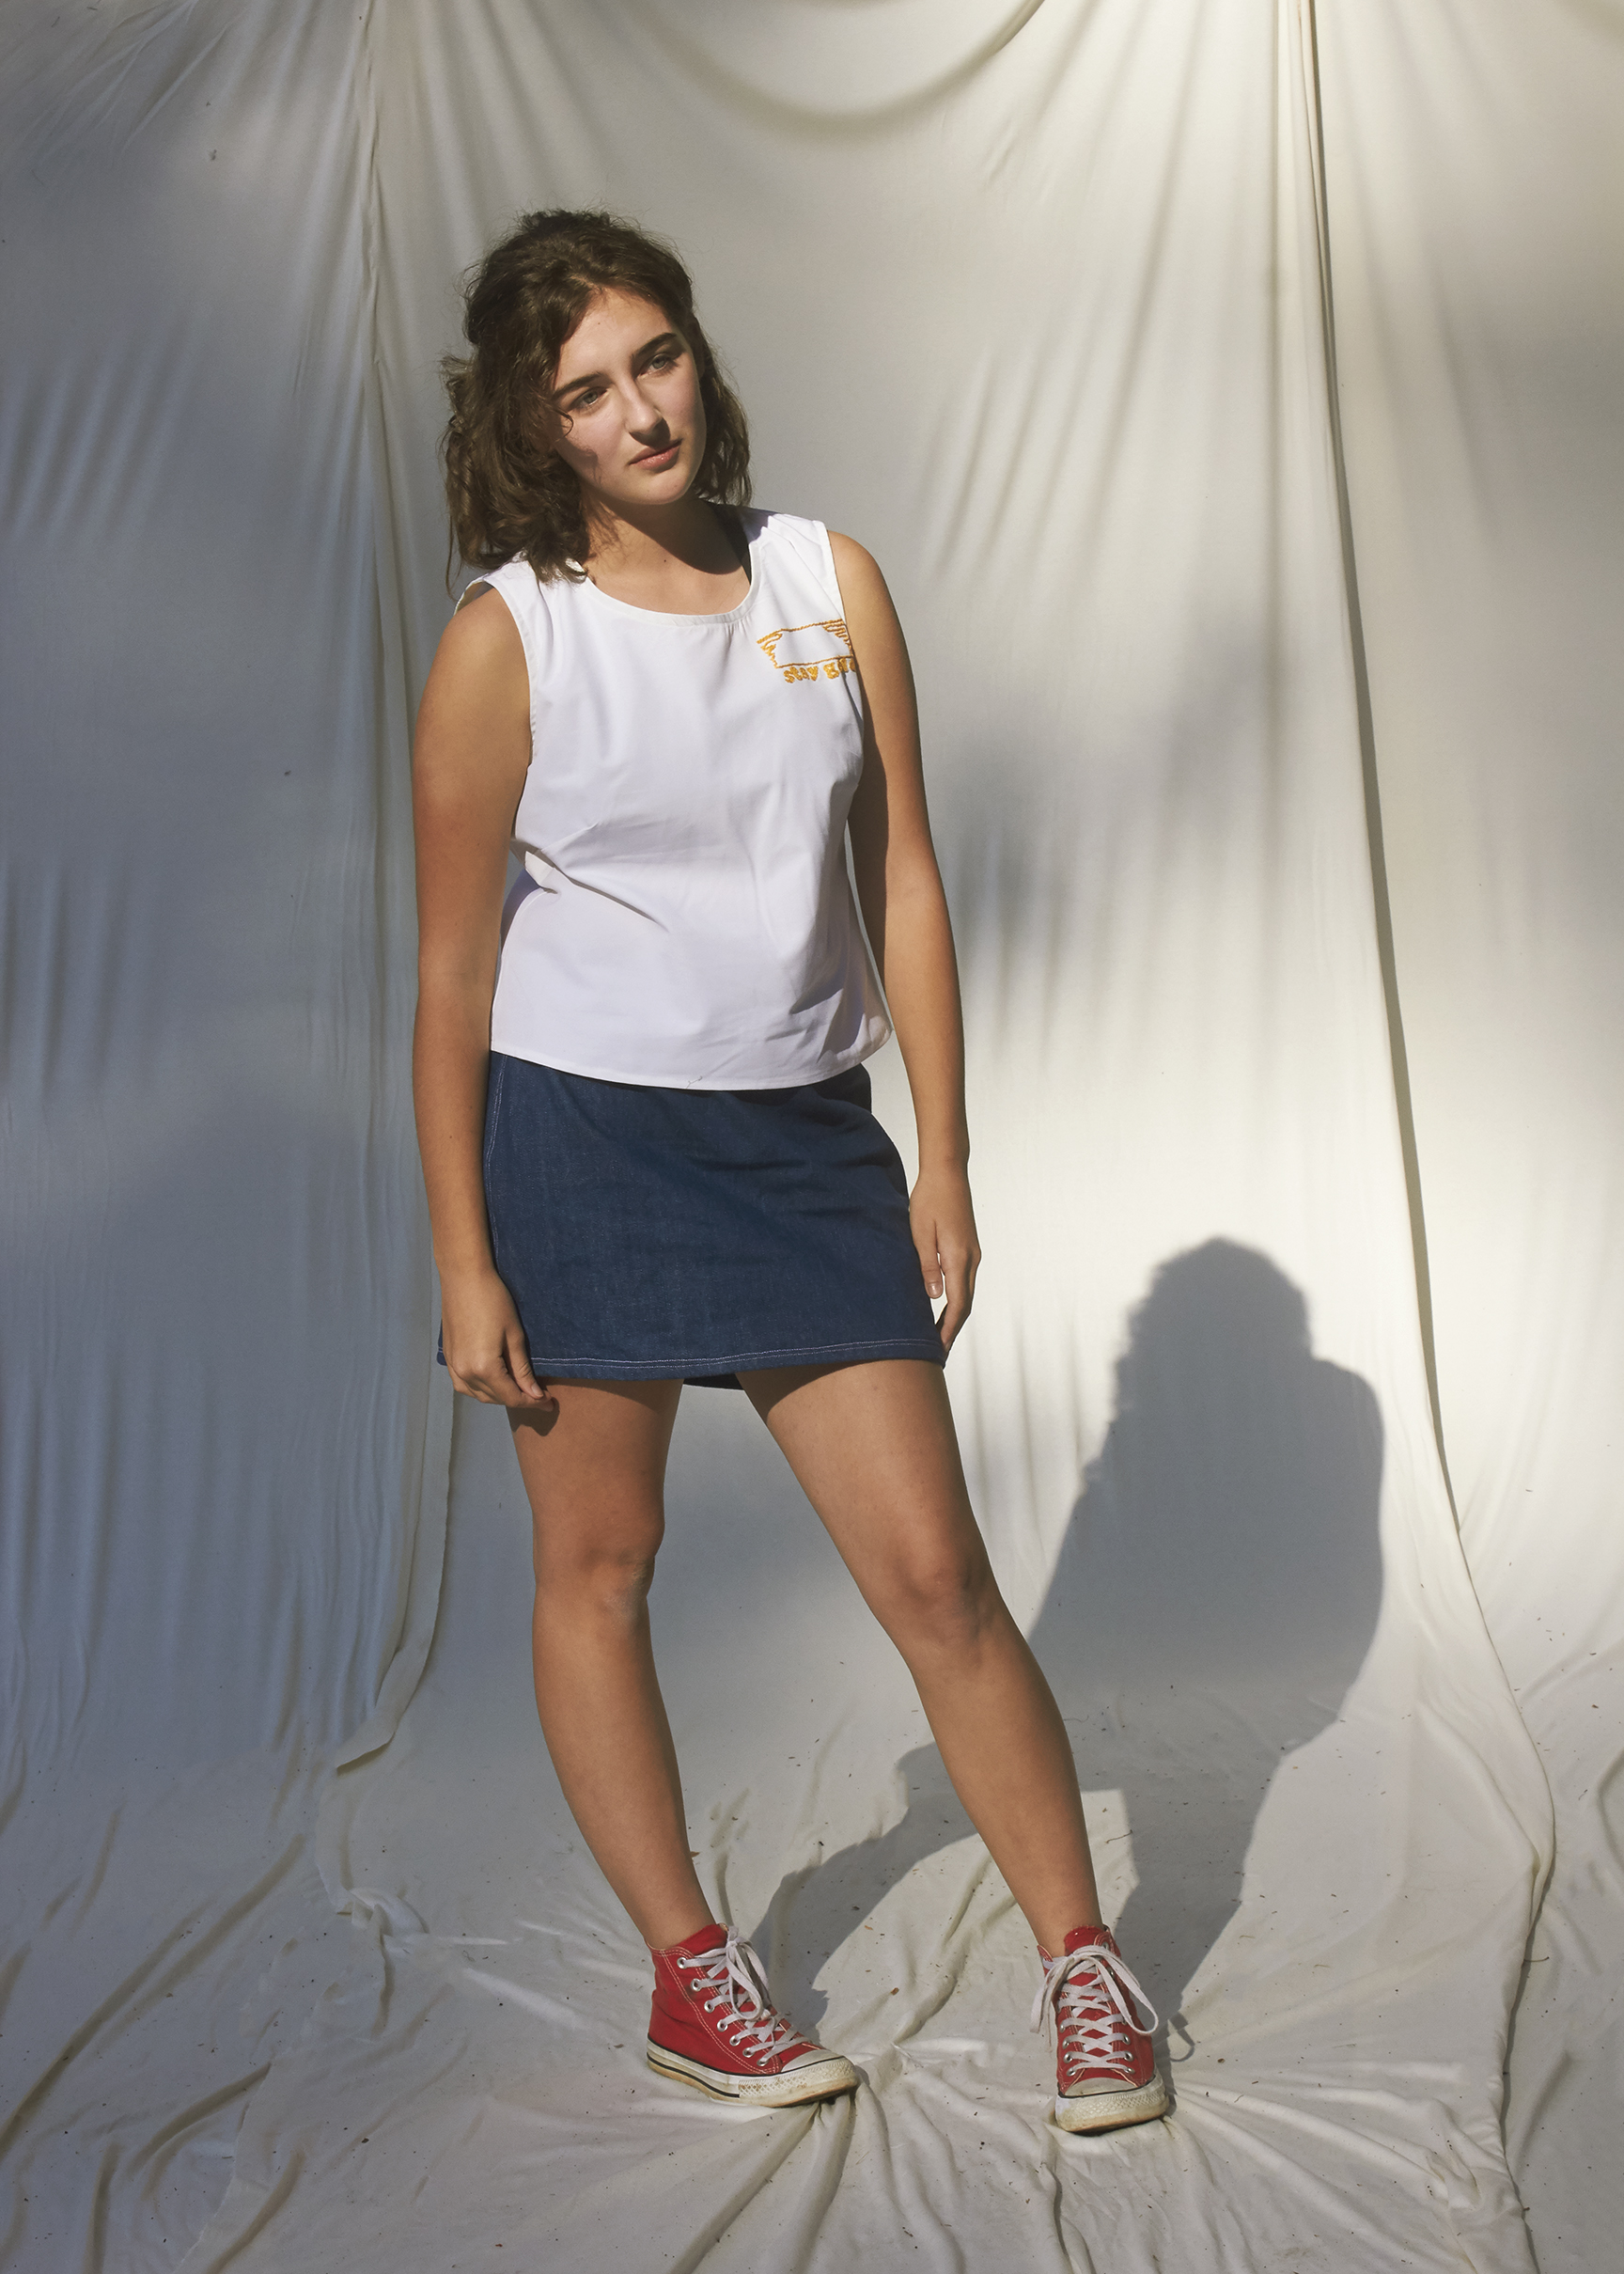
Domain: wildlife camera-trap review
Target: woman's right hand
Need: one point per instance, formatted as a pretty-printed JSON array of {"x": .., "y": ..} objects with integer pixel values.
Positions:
[{"x": 486, "y": 1354}]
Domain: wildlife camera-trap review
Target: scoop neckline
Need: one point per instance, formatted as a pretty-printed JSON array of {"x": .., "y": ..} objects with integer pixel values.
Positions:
[{"x": 663, "y": 616}]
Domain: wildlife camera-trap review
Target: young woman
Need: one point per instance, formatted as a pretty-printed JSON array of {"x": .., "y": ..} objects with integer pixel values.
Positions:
[{"x": 643, "y": 1115}]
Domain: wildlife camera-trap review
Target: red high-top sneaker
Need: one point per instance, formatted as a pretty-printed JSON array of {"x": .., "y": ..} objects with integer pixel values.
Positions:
[
  {"x": 1108, "y": 2073},
  {"x": 714, "y": 2026}
]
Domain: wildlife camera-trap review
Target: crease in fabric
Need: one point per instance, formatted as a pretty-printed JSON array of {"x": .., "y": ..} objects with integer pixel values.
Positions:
[
  {"x": 425, "y": 1499},
  {"x": 1307, "y": 21},
  {"x": 1308, "y": 29},
  {"x": 779, "y": 112}
]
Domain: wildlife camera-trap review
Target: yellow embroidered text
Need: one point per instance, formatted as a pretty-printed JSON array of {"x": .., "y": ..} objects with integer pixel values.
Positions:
[{"x": 802, "y": 651}]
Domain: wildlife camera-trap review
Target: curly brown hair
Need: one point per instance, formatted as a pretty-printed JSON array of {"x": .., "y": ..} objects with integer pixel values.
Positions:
[{"x": 508, "y": 491}]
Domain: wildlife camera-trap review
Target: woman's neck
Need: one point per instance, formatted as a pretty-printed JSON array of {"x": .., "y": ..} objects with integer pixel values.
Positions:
[
  {"x": 639, "y": 545},
  {"x": 683, "y": 559}
]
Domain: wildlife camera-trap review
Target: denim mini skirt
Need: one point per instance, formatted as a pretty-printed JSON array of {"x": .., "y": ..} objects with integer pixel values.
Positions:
[{"x": 646, "y": 1234}]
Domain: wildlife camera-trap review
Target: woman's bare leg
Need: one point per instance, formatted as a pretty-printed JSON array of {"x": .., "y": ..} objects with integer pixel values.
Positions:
[
  {"x": 596, "y": 1474},
  {"x": 875, "y": 1451}
]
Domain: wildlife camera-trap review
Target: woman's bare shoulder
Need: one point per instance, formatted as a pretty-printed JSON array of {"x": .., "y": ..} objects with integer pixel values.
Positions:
[
  {"x": 477, "y": 696},
  {"x": 481, "y": 624},
  {"x": 851, "y": 558},
  {"x": 480, "y": 647},
  {"x": 870, "y": 613}
]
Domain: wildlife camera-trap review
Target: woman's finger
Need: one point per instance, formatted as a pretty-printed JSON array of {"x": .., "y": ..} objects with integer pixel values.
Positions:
[
  {"x": 930, "y": 1259},
  {"x": 960, "y": 1276},
  {"x": 531, "y": 1391}
]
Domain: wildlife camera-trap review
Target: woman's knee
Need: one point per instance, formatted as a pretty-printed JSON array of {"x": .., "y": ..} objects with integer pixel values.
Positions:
[
  {"x": 945, "y": 1599},
  {"x": 602, "y": 1570}
]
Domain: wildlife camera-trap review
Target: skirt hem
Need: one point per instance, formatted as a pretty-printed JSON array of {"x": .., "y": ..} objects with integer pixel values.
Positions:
[
  {"x": 663, "y": 1369},
  {"x": 720, "y": 1371}
]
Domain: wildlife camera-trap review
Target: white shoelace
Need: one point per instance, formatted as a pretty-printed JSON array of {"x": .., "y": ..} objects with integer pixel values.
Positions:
[
  {"x": 734, "y": 1971},
  {"x": 1083, "y": 1993}
]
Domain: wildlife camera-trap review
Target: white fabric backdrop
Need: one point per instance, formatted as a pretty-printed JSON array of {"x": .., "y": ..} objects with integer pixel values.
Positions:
[
  {"x": 1036, "y": 302},
  {"x": 1478, "y": 194}
]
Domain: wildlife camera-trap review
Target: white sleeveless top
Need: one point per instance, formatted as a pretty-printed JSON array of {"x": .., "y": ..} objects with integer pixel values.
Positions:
[{"x": 685, "y": 918}]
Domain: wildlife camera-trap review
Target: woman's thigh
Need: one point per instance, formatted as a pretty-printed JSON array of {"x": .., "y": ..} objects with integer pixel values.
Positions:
[
  {"x": 595, "y": 1469},
  {"x": 876, "y": 1452}
]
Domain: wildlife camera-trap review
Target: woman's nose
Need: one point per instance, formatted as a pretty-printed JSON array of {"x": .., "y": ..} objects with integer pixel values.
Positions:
[{"x": 640, "y": 412}]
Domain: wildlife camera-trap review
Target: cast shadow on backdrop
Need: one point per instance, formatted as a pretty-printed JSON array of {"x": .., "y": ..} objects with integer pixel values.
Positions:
[{"x": 1216, "y": 1594}]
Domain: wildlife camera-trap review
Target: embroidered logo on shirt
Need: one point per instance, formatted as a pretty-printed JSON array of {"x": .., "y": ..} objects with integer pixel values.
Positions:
[{"x": 802, "y": 651}]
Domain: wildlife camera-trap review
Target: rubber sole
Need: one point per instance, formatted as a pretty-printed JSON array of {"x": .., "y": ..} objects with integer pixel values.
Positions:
[
  {"x": 817, "y": 2080},
  {"x": 1104, "y": 2111}
]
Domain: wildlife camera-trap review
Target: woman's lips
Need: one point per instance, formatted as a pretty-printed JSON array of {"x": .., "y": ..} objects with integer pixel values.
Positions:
[{"x": 657, "y": 461}]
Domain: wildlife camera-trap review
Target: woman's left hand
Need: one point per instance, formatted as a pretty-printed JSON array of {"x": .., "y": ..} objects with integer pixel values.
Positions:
[{"x": 943, "y": 1225}]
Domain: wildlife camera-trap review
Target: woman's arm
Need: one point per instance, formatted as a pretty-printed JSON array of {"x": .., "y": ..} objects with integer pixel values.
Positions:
[
  {"x": 905, "y": 910},
  {"x": 468, "y": 767}
]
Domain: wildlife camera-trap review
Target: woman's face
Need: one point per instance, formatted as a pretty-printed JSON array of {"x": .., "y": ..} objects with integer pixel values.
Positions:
[{"x": 627, "y": 416}]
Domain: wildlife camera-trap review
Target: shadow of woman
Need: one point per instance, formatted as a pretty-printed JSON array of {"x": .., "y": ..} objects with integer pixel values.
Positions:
[
  {"x": 1217, "y": 1587},
  {"x": 1214, "y": 1596}
]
